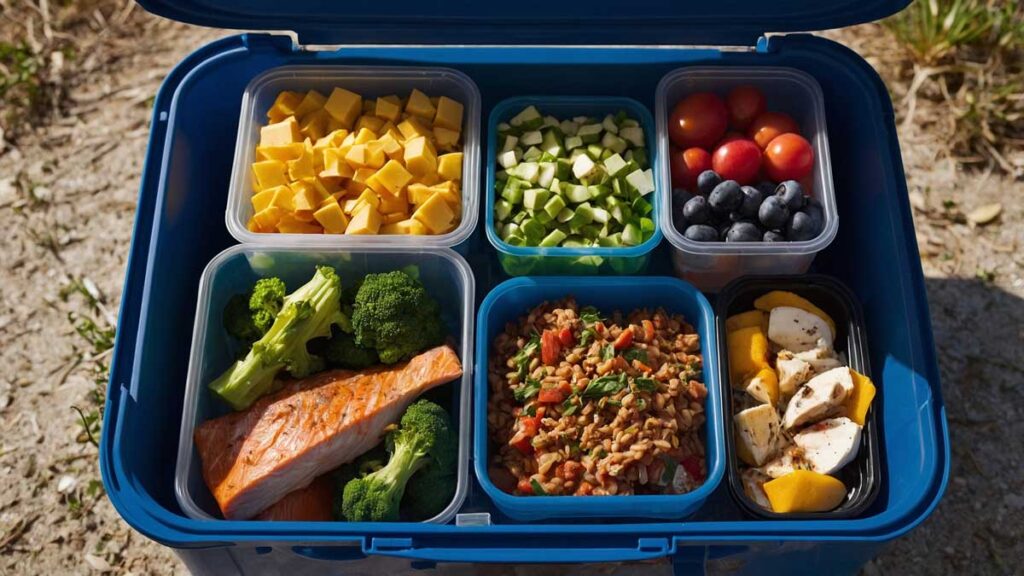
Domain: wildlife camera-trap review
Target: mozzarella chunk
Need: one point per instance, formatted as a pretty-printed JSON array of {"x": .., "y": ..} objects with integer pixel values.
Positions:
[
  {"x": 791, "y": 459},
  {"x": 798, "y": 330},
  {"x": 793, "y": 372},
  {"x": 753, "y": 486},
  {"x": 819, "y": 398},
  {"x": 757, "y": 433},
  {"x": 830, "y": 444}
]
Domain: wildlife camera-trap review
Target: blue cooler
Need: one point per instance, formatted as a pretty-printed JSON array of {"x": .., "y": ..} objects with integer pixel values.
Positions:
[{"x": 508, "y": 50}]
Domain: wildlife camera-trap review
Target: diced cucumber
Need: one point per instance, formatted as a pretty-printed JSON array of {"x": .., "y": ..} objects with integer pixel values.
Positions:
[
  {"x": 614, "y": 143},
  {"x": 502, "y": 209},
  {"x": 508, "y": 159},
  {"x": 576, "y": 153},
  {"x": 591, "y": 232},
  {"x": 564, "y": 215},
  {"x": 590, "y": 133},
  {"x": 647, "y": 228},
  {"x": 531, "y": 138},
  {"x": 510, "y": 143},
  {"x": 520, "y": 216},
  {"x": 618, "y": 188},
  {"x": 573, "y": 142},
  {"x": 569, "y": 127},
  {"x": 575, "y": 242},
  {"x": 641, "y": 206},
  {"x": 513, "y": 191},
  {"x": 595, "y": 151},
  {"x": 613, "y": 164},
  {"x": 547, "y": 174},
  {"x": 526, "y": 116},
  {"x": 582, "y": 166},
  {"x": 555, "y": 186},
  {"x": 609, "y": 124},
  {"x": 551, "y": 143},
  {"x": 640, "y": 157},
  {"x": 542, "y": 217},
  {"x": 500, "y": 176},
  {"x": 601, "y": 215},
  {"x": 631, "y": 234},
  {"x": 534, "y": 198},
  {"x": 550, "y": 121},
  {"x": 502, "y": 128},
  {"x": 533, "y": 231},
  {"x": 582, "y": 215},
  {"x": 581, "y": 120},
  {"x": 563, "y": 168},
  {"x": 641, "y": 181},
  {"x": 610, "y": 241},
  {"x": 515, "y": 241},
  {"x": 528, "y": 171},
  {"x": 621, "y": 213},
  {"x": 532, "y": 154},
  {"x": 628, "y": 122},
  {"x": 634, "y": 134},
  {"x": 576, "y": 193},
  {"x": 553, "y": 238},
  {"x": 554, "y": 206},
  {"x": 546, "y": 157}
]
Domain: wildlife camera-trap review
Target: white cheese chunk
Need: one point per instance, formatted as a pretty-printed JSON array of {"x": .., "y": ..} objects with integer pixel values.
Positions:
[
  {"x": 798, "y": 330},
  {"x": 819, "y": 398},
  {"x": 757, "y": 433},
  {"x": 830, "y": 444}
]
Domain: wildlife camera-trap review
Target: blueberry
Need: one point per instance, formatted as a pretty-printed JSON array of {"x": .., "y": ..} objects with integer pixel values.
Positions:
[
  {"x": 723, "y": 229},
  {"x": 773, "y": 212},
  {"x": 792, "y": 193},
  {"x": 752, "y": 198},
  {"x": 701, "y": 233},
  {"x": 726, "y": 197},
  {"x": 773, "y": 236},
  {"x": 743, "y": 232},
  {"x": 801, "y": 227},
  {"x": 816, "y": 212},
  {"x": 697, "y": 211},
  {"x": 707, "y": 180},
  {"x": 766, "y": 187}
]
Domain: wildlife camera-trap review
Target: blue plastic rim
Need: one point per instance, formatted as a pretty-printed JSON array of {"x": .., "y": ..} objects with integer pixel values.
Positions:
[
  {"x": 563, "y": 107},
  {"x": 514, "y": 298}
]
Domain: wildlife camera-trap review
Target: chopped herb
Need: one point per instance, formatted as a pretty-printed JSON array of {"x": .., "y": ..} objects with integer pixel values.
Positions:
[
  {"x": 531, "y": 410},
  {"x": 635, "y": 354},
  {"x": 645, "y": 384},
  {"x": 538, "y": 490},
  {"x": 589, "y": 315},
  {"x": 641, "y": 404},
  {"x": 613, "y": 402},
  {"x": 586, "y": 336},
  {"x": 605, "y": 386},
  {"x": 570, "y": 410},
  {"x": 527, "y": 391},
  {"x": 574, "y": 447},
  {"x": 522, "y": 358},
  {"x": 608, "y": 352},
  {"x": 571, "y": 405}
]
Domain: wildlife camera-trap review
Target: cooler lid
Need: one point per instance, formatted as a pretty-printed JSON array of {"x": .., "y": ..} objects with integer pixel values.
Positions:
[{"x": 593, "y": 22}]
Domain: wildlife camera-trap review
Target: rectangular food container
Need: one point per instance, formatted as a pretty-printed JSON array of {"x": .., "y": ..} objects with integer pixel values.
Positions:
[
  {"x": 863, "y": 475},
  {"x": 368, "y": 82},
  {"x": 513, "y": 299},
  {"x": 234, "y": 271},
  {"x": 711, "y": 265},
  {"x": 537, "y": 261}
]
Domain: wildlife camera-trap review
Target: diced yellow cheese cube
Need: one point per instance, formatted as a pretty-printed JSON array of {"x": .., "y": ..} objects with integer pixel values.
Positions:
[
  {"x": 419, "y": 105},
  {"x": 454, "y": 201},
  {"x": 283, "y": 198},
  {"x": 349, "y": 206},
  {"x": 413, "y": 128},
  {"x": 332, "y": 218},
  {"x": 416, "y": 227},
  {"x": 305, "y": 196},
  {"x": 419, "y": 193},
  {"x": 394, "y": 228},
  {"x": 284, "y": 106},
  {"x": 369, "y": 105},
  {"x": 371, "y": 123},
  {"x": 390, "y": 203},
  {"x": 364, "y": 135},
  {"x": 446, "y": 186},
  {"x": 303, "y": 215},
  {"x": 314, "y": 124},
  {"x": 311, "y": 102},
  {"x": 435, "y": 214},
  {"x": 449, "y": 166},
  {"x": 393, "y": 176},
  {"x": 281, "y": 133},
  {"x": 331, "y": 140},
  {"x": 375, "y": 185},
  {"x": 362, "y": 175},
  {"x": 290, "y": 224},
  {"x": 356, "y": 156},
  {"x": 388, "y": 108},
  {"x": 269, "y": 173},
  {"x": 393, "y": 148},
  {"x": 370, "y": 197},
  {"x": 354, "y": 188},
  {"x": 333, "y": 125},
  {"x": 344, "y": 106},
  {"x": 326, "y": 186},
  {"x": 253, "y": 226},
  {"x": 449, "y": 114},
  {"x": 428, "y": 179},
  {"x": 375, "y": 156},
  {"x": 446, "y": 139},
  {"x": 261, "y": 200},
  {"x": 365, "y": 221},
  {"x": 268, "y": 218},
  {"x": 393, "y": 217},
  {"x": 302, "y": 167},
  {"x": 420, "y": 157},
  {"x": 282, "y": 153},
  {"x": 335, "y": 165}
]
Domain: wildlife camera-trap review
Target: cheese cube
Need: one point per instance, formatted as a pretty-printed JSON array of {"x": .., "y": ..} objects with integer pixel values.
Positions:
[
  {"x": 283, "y": 198},
  {"x": 362, "y": 175},
  {"x": 269, "y": 173},
  {"x": 369, "y": 197},
  {"x": 282, "y": 153},
  {"x": 419, "y": 193},
  {"x": 335, "y": 165},
  {"x": 420, "y": 157},
  {"x": 305, "y": 197},
  {"x": 391, "y": 147},
  {"x": 302, "y": 167},
  {"x": 289, "y": 224},
  {"x": 369, "y": 105},
  {"x": 331, "y": 140},
  {"x": 375, "y": 185},
  {"x": 390, "y": 203},
  {"x": 446, "y": 139},
  {"x": 393, "y": 217},
  {"x": 416, "y": 227},
  {"x": 419, "y": 105},
  {"x": 281, "y": 133},
  {"x": 435, "y": 214},
  {"x": 356, "y": 156},
  {"x": 449, "y": 114},
  {"x": 344, "y": 106},
  {"x": 413, "y": 128},
  {"x": 261, "y": 200},
  {"x": 454, "y": 201},
  {"x": 365, "y": 221},
  {"x": 388, "y": 108},
  {"x": 284, "y": 106},
  {"x": 375, "y": 156},
  {"x": 348, "y": 141},
  {"x": 332, "y": 218},
  {"x": 428, "y": 179},
  {"x": 371, "y": 123},
  {"x": 354, "y": 188},
  {"x": 393, "y": 228},
  {"x": 268, "y": 218},
  {"x": 314, "y": 124},
  {"x": 364, "y": 135},
  {"x": 311, "y": 102},
  {"x": 449, "y": 166},
  {"x": 393, "y": 176}
]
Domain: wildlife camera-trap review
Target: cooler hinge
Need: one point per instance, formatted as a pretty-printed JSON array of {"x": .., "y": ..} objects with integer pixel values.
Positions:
[{"x": 389, "y": 545}]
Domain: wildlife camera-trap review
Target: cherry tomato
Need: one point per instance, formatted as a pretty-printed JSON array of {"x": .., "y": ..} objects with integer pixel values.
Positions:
[
  {"x": 550, "y": 347},
  {"x": 745, "y": 103},
  {"x": 768, "y": 125},
  {"x": 739, "y": 160},
  {"x": 788, "y": 157},
  {"x": 687, "y": 165},
  {"x": 698, "y": 120},
  {"x": 730, "y": 137}
]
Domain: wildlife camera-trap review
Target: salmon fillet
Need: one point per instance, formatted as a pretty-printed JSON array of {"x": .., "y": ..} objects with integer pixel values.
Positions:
[
  {"x": 314, "y": 503},
  {"x": 285, "y": 440}
]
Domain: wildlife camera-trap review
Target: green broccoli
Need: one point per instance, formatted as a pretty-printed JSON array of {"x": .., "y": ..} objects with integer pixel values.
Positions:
[
  {"x": 423, "y": 434},
  {"x": 430, "y": 490},
  {"x": 369, "y": 462},
  {"x": 342, "y": 351},
  {"x": 307, "y": 313},
  {"x": 249, "y": 316},
  {"x": 238, "y": 320},
  {"x": 394, "y": 314}
]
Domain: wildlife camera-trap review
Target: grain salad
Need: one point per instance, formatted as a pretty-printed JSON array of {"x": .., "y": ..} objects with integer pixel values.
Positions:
[{"x": 586, "y": 404}]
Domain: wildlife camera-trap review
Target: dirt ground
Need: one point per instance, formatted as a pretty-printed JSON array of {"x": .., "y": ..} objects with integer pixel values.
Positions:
[{"x": 67, "y": 199}]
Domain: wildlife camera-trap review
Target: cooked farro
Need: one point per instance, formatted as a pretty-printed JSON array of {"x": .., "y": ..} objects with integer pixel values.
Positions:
[{"x": 581, "y": 404}]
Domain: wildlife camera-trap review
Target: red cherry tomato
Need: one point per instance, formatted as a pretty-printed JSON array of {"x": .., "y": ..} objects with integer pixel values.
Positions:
[
  {"x": 788, "y": 157},
  {"x": 731, "y": 137},
  {"x": 698, "y": 120},
  {"x": 768, "y": 125},
  {"x": 745, "y": 103},
  {"x": 687, "y": 165},
  {"x": 739, "y": 160}
]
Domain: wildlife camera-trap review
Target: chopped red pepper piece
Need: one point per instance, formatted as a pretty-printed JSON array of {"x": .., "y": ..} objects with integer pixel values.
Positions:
[
  {"x": 625, "y": 339},
  {"x": 692, "y": 466},
  {"x": 566, "y": 338},
  {"x": 551, "y": 396},
  {"x": 550, "y": 347},
  {"x": 648, "y": 330},
  {"x": 524, "y": 487}
]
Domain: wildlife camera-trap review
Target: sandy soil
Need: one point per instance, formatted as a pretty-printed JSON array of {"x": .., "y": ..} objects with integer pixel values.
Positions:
[{"x": 67, "y": 198}]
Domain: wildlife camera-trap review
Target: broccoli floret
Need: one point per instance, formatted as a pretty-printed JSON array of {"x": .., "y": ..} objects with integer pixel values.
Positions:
[
  {"x": 266, "y": 302},
  {"x": 430, "y": 490},
  {"x": 342, "y": 351},
  {"x": 394, "y": 314},
  {"x": 368, "y": 463},
  {"x": 307, "y": 313},
  {"x": 238, "y": 320},
  {"x": 423, "y": 434}
]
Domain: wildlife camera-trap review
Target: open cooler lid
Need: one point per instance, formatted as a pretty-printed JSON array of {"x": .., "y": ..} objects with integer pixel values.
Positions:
[{"x": 594, "y": 22}]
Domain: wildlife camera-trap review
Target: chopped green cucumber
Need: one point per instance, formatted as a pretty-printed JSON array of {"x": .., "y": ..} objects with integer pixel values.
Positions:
[
  {"x": 528, "y": 116},
  {"x": 633, "y": 134},
  {"x": 569, "y": 127},
  {"x": 551, "y": 143},
  {"x": 590, "y": 133},
  {"x": 508, "y": 159},
  {"x": 502, "y": 209},
  {"x": 576, "y": 193},
  {"x": 631, "y": 234},
  {"x": 533, "y": 231},
  {"x": 613, "y": 164},
  {"x": 547, "y": 174},
  {"x": 531, "y": 138},
  {"x": 513, "y": 191},
  {"x": 641, "y": 206},
  {"x": 554, "y": 206},
  {"x": 534, "y": 198},
  {"x": 564, "y": 215},
  {"x": 609, "y": 124},
  {"x": 532, "y": 154},
  {"x": 573, "y": 142},
  {"x": 554, "y": 238},
  {"x": 510, "y": 143}
]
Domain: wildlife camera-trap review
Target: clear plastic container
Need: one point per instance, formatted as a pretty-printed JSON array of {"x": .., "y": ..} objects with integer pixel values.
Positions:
[
  {"x": 711, "y": 265},
  {"x": 444, "y": 273},
  {"x": 367, "y": 81},
  {"x": 512, "y": 299},
  {"x": 537, "y": 261}
]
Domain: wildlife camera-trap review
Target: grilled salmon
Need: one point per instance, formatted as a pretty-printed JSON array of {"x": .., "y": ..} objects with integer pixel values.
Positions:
[
  {"x": 285, "y": 440},
  {"x": 314, "y": 503}
]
